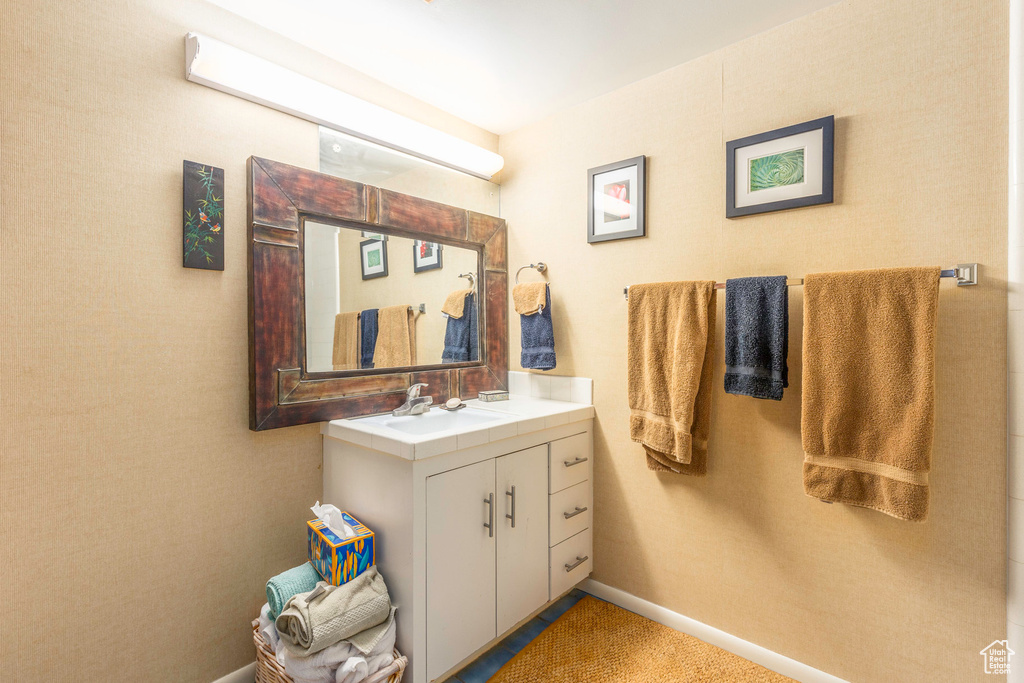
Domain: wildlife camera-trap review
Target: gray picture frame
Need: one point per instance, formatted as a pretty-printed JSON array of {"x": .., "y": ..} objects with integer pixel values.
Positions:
[
  {"x": 638, "y": 201},
  {"x": 384, "y": 257},
  {"x": 827, "y": 126}
]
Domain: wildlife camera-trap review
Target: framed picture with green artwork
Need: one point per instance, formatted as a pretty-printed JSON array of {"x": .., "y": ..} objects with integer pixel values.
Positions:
[
  {"x": 203, "y": 216},
  {"x": 781, "y": 169},
  {"x": 373, "y": 257}
]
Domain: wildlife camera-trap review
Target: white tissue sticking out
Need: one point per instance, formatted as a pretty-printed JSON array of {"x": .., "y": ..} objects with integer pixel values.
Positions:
[{"x": 331, "y": 516}]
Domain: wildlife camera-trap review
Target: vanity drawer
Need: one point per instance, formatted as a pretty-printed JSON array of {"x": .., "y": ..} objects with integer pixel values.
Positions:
[
  {"x": 569, "y": 462},
  {"x": 570, "y": 502},
  {"x": 571, "y": 562}
]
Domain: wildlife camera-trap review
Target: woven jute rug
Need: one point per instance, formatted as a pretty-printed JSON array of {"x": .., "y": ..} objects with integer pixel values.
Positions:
[{"x": 598, "y": 642}]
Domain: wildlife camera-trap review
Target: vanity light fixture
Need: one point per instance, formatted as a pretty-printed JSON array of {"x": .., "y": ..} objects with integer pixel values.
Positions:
[{"x": 217, "y": 65}]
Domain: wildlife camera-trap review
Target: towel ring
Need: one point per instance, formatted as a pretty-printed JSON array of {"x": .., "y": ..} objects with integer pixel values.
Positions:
[
  {"x": 539, "y": 266},
  {"x": 472, "y": 279}
]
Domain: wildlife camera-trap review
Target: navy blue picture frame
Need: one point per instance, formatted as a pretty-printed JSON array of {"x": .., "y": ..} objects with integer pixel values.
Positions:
[{"x": 827, "y": 126}]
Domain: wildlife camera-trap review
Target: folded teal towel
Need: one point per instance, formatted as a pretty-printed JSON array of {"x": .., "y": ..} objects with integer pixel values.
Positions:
[{"x": 301, "y": 579}]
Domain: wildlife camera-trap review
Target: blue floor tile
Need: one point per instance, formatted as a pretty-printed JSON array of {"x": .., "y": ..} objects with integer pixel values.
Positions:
[
  {"x": 485, "y": 666},
  {"x": 522, "y": 636},
  {"x": 561, "y": 606}
]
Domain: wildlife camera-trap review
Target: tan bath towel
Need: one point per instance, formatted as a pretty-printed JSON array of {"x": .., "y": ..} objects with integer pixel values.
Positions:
[
  {"x": 396, "y": 337},
  {"x": 454, "y": 306},
  {"x": 346, "y": 341},
  {"x": 670, "y": 355},
  {"x": 529, "y": 297},
  {"x": 869, "y": 388}
]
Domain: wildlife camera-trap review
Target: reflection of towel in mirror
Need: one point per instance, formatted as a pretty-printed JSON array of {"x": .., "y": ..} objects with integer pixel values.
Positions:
[
  {"x": 346, "y": 341},
  {"x": 367, "y": 337},
  {"x": 538, "y": 337},
  {"x": 396, "y": 337},
  {"x": 455, "y": 304},
  {"x": 460, "y": 335}
]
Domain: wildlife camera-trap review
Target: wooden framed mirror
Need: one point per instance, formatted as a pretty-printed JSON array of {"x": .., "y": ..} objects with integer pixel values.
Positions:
[{"x": 283, "y": 390}]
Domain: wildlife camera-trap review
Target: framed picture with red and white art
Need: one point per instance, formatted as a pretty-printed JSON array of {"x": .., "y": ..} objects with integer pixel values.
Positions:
[{"x": 615, "y": 200}]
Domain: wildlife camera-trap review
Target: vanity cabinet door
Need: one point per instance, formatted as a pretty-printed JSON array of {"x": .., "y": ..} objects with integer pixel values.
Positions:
[
  {"x": 522, "y": 552},
  {"x": 460, "y": 563}
]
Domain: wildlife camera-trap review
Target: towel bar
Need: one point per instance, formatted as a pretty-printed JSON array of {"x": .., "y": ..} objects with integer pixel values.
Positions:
[{"x": 966, "y": 274}]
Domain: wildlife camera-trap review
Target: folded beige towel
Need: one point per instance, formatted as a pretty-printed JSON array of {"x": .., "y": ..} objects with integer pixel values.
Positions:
[
  {"x": 869, "y": 388},
  {"x": 346, "y": 341},
  {"x": 311, "y": 622},
  {"x": 529, "y": 297},
  {"x": 454, "y": 305},
  {"x": 396, "y": 337},
  {"x": 671, "y": 342}
]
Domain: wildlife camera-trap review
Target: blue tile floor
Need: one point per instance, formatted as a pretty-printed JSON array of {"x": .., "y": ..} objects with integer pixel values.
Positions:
[{"x": 487, "y": 664}]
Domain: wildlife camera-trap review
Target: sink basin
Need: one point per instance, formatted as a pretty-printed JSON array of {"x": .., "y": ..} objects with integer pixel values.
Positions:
[{"x": 435, "y": 420}]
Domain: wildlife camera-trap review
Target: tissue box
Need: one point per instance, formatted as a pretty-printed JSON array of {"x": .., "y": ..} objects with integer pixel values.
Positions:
[{"x": 340, "y": 560}]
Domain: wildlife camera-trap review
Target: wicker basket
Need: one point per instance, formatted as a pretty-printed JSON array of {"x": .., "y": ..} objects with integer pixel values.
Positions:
[{"x": 269, "y": 670}]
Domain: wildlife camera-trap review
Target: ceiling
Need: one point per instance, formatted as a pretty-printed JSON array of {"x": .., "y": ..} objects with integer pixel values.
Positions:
[{"x": 502, "y": 64}]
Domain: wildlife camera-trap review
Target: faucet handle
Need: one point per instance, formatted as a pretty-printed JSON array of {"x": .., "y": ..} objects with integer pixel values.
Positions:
[{"x": 414, "y": 390}]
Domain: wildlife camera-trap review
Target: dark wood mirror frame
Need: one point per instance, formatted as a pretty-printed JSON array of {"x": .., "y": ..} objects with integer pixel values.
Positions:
[{"x": 281, "y": 392}]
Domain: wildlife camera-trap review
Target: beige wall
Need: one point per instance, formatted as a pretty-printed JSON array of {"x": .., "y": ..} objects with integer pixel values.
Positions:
[
  {"x": 139, "y": 517},
  {"x": 919, "y": 93}
]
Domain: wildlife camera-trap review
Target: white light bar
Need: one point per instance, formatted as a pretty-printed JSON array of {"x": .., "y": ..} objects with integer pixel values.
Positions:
[{"x": 214, "y": 64}]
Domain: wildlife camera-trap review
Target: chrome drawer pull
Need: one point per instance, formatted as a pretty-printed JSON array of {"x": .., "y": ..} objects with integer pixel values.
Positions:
[
  {"x": 578, "y": 562},
  {"x": 577, "y": 461},
  {"x": 578, "y": 510},
  {"x": 489, "y": 524}
]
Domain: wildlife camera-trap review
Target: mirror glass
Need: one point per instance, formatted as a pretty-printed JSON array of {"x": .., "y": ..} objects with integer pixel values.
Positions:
[{"x": 376, "y": 301}]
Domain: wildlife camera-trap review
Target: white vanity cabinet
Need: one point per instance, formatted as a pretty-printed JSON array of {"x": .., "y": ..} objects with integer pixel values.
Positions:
[
  {"x": 487, "y": 552},
  {"x": 473, "y": 541}
]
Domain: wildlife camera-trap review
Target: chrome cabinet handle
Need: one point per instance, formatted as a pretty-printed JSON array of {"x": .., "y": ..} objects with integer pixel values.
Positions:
[
  {"x": 577, "y": 461},
  {"x": 512, "y": 494},
  {"x": 489, "y": 525},
  {"x": 578, "y": 510},
  {"x": 578, "y": 562}
]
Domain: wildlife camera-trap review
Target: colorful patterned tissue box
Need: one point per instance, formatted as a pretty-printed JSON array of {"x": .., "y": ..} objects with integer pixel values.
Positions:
[{"x": 340, "y": 560}]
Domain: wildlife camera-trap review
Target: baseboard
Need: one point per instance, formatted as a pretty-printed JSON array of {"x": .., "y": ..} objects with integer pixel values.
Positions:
[
  {"x": 709, "y": 634},
  {"x": 247, "y": 674}
]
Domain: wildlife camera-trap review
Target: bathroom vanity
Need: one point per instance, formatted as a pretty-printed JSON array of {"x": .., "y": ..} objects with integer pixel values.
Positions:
[{"x": 483, "y": 516}]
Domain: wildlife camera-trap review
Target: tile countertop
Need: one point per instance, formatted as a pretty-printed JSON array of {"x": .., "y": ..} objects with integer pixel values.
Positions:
[{"x": 525, "y": 415}]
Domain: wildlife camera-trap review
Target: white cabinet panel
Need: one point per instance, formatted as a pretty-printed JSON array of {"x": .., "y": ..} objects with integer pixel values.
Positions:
[
  {"x": 570, "y": 461},
  {"x": 460, "y": 564},
  {"x": 570, "y": 512},
  {"x": 571, "y": 562},
  {"x": 522, "y": 534}
]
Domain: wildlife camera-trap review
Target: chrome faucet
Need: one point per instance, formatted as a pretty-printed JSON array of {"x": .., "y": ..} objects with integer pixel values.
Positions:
[{"x": 414, "y": 403}]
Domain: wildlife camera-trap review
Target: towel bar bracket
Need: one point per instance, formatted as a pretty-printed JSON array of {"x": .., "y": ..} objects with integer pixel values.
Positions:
[{"x": 966, "y": 274}]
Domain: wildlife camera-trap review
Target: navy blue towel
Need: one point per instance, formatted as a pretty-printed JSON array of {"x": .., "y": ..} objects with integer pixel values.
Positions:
[
  {"x": 756, "y": 336},
  {"x": 367, "y": 337},
  {"x": 538, "y": 337},
  {"x": 460, "y": 336}
]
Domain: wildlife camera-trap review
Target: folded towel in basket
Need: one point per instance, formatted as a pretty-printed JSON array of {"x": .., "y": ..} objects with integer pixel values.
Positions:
[
  {"x": 314, "y": 621},
  {"x": 301, "y": 579},
  {"x": 343, "y": 662}
]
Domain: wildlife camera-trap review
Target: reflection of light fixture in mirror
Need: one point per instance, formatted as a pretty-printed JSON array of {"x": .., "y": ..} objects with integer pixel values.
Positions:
[{"x": 214, "y": 64}]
